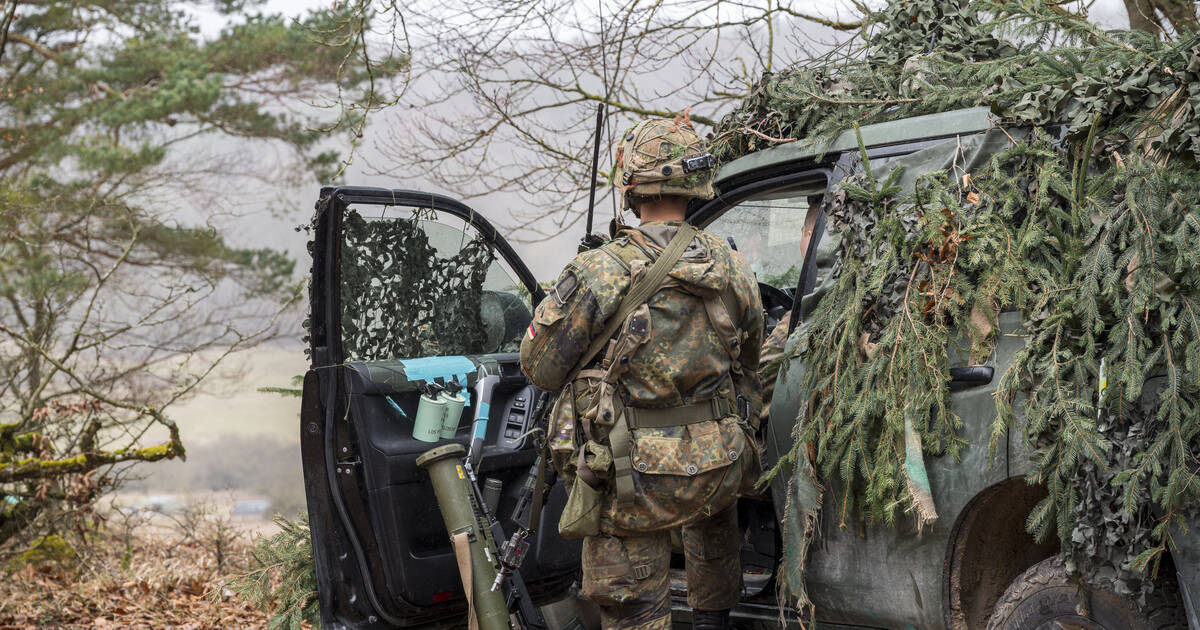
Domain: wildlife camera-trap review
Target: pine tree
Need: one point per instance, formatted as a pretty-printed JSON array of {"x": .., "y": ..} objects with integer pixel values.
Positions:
[
  {"x": 282, "y": 580},
  {"x": 124, "y": 133}
]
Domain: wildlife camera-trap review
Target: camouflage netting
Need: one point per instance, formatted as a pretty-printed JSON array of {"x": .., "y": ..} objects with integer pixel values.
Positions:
[
  {"x": 1093, "y": 237},
  {"x": 401, "y": 299}
]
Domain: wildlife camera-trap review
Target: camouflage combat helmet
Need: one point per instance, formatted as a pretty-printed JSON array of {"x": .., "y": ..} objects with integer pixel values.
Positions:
[{"x": 661, "y": 156}]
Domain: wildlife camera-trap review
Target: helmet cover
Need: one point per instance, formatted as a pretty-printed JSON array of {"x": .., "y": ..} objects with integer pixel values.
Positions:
[{"x": 663, "y": 156}]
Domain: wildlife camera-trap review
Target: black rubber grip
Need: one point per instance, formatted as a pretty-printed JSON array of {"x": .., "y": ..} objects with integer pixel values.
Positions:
[{"x": 970, "y": 376}]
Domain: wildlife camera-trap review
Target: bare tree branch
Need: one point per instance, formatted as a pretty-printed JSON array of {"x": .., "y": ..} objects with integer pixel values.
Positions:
[{"x": 505, "y": 97}]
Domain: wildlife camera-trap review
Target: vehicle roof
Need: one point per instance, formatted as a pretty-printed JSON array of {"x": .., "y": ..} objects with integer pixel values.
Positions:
[{"x": 925, "y": 127}]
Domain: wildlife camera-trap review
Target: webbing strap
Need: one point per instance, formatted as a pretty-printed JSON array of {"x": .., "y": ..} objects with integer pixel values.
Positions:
[
  {"x": 640, "y": 292},
  {"x": 584, "y": 471},
  {"x": 712, "y": 409},
  {"x": 539, "y": 493},
  {"x": 620, "y": 440},
  {"x": 721, "y": 310},
  {"x": 461, "y": 541}
]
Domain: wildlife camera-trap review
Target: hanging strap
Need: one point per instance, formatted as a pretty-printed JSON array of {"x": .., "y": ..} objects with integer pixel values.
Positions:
[
  {"x": 620, "y": 440},
  {"x": 721, "y": 310},
  {"x": 639, "y": 293},
  {"x": 462, "y": 551},
  {"x": 539, "y": 493}
]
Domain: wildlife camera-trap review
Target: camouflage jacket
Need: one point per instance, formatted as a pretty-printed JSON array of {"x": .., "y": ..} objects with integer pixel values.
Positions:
[
  {"x": 684, "y": 360},
  {"x": 681, "y": 473}
]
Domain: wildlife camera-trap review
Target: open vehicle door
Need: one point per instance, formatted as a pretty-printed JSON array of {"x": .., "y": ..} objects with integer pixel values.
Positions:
[{"x": 410, "y": 288}]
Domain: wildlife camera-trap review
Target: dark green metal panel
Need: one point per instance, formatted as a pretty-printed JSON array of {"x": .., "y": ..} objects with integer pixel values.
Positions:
[
  {"x": 928, "y": 127},
  {"x": 892, "y": 576}
]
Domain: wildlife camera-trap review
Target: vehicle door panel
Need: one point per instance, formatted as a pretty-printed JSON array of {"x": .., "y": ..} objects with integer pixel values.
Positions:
[
  {"x": 384, "y": 557},
  {"x": 884, "y": 576},
  {"x": 417, "y": 558},
  {"x": 893, "y": 576}
]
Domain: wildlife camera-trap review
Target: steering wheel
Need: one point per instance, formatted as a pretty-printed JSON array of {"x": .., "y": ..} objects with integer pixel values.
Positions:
[{"x": 776, "y": 303}]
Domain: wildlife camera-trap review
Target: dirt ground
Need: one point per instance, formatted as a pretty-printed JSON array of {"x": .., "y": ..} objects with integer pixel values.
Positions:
[{"x": 144, "y": 572}]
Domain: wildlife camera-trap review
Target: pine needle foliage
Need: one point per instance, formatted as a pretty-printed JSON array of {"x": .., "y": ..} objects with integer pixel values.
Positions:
[
  {"x": 282, "y": 580},
  {"x": 1093, "y": 236}
]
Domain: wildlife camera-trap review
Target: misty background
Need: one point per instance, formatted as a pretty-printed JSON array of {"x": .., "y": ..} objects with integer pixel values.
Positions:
[{"x": 243, "y": 443}]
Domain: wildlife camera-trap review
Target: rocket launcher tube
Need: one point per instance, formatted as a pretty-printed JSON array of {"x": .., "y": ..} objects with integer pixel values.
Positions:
[{"x": 470, "y": 534}]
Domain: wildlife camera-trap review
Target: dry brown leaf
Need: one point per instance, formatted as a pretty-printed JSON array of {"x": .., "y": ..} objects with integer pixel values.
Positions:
[
  {"x": 163, "y": 586},
  {"x": 866, "y": 346}
]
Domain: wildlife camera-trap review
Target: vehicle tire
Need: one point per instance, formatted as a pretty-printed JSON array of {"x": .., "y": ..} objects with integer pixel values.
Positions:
[{"x": 1046, "y": 597}]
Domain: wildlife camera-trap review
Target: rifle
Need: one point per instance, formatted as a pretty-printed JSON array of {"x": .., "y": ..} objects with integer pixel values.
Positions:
[
  {"x": 474, "y": 530},
  {"x": 527, "y": 616},
  {"x": 527, "y": 514},
  {"x": 589, "y": 240}
]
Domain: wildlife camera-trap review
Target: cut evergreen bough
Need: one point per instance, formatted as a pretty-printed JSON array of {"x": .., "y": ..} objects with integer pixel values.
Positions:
[{"x": 1093, "y": 236}]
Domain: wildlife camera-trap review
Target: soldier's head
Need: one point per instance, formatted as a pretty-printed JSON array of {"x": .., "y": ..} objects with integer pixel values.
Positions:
[{"x": 661, "y": 163}]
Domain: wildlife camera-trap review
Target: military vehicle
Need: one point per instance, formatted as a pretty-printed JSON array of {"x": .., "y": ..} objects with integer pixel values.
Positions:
[{"x": 382, "y": 555}]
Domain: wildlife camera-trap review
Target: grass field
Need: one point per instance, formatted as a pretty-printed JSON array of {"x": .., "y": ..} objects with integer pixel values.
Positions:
[{"x": 232, "y": 404}]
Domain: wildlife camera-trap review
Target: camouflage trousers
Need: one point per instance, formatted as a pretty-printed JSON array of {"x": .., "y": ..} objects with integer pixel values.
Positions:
[{"x": 629, "y": 577}]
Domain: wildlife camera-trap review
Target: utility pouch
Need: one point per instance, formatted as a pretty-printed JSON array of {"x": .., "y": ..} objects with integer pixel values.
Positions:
[{"x": 581, "y": 516}]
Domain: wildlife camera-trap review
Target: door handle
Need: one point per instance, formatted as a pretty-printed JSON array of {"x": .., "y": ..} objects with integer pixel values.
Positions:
[{"x": 970, "y": 376}]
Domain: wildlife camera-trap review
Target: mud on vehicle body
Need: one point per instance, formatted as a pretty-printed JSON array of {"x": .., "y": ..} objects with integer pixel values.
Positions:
[{"x": 381, "y": 324}]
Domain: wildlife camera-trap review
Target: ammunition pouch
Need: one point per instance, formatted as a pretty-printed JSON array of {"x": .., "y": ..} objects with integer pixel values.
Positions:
[
  {"x": 614, "y": 453},
  {"x": 621, "y": 438}
]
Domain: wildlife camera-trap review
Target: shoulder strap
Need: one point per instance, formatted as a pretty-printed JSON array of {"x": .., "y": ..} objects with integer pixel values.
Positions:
[{"x": 639, "y": 293}]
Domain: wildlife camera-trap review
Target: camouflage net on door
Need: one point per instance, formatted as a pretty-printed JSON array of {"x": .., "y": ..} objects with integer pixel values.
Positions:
[
  {"x": 401, "y": 298},
  {"x": 1093, "y": 237}
]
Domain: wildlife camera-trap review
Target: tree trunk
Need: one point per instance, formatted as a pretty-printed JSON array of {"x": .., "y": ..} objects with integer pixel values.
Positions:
[
  {"x": 1180, "y": 13},
  {"x": 1148, "y": 15},
  {"x": 1142, "y": 16}
]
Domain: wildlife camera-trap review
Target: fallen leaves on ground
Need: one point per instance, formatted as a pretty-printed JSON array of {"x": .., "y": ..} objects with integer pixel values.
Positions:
[{"x": 162, "y": 582}]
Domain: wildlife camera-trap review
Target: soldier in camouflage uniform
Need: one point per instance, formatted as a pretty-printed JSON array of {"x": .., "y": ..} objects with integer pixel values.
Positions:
[{"x": 678, "y": 387}]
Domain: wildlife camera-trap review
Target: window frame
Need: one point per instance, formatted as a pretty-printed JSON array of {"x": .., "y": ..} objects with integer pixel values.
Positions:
[
  {"x": 326, "y": 312},
  {"x": 711, "y": 215}
]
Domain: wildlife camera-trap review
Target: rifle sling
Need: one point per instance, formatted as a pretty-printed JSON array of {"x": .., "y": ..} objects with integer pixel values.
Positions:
[
  {"x": 539, "y": 493},
  {"x": 639, "y": 293}
]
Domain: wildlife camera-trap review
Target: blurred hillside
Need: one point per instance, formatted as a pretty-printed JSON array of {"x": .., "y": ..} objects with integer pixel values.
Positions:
[{"x": 239, "y": 440}]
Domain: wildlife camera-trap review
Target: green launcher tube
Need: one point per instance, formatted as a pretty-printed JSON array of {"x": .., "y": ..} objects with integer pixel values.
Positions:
[{"x": 461, "y": 515}]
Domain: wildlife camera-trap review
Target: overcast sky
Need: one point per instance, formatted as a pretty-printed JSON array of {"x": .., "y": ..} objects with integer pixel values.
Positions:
[{"x": 269, "y": 217}]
